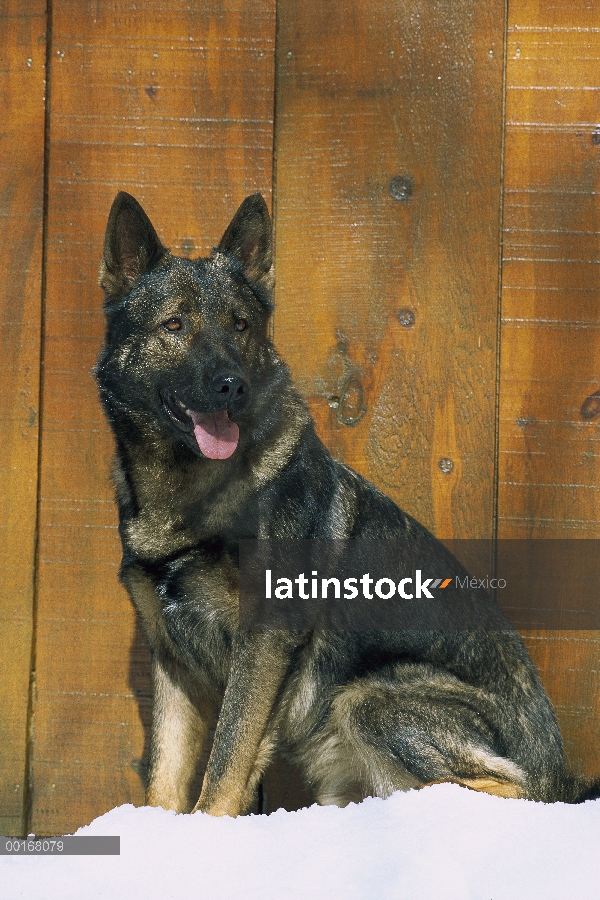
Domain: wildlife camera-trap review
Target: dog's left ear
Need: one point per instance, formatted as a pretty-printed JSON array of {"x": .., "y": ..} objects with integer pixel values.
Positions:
[{"x": 249, "y": 240}]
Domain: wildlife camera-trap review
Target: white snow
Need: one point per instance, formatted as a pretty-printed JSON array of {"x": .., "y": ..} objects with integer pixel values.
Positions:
[{"x": 443, "y": 842}]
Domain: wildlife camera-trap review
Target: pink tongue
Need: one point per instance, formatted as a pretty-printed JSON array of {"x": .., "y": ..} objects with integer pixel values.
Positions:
[{"x": 216, "y": 435}]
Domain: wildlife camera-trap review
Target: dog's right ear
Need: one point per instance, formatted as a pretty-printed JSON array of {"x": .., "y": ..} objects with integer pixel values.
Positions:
[{"x": 131, "y": 246}]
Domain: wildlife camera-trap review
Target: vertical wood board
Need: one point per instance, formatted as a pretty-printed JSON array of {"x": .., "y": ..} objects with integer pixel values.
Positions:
[
  {"x": 22, "y": 63},
  {"x": 550, "y": 345}
]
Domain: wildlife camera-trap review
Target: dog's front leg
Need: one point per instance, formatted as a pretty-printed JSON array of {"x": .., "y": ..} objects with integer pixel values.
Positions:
[
  {"x": 180, "y": 715},
  {"x": 241, "y": 747},
  {"x": 180, "y": 722}
]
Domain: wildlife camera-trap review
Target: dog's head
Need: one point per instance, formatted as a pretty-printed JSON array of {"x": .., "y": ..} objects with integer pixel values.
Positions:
[{"x": 186, "y": 340}]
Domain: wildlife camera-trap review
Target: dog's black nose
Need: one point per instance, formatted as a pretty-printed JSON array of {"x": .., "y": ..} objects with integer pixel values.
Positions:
[{"x": 231, "y": 387}]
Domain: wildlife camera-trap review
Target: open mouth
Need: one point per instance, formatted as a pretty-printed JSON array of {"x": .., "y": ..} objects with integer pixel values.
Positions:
[{"x": 214, "y": 433}]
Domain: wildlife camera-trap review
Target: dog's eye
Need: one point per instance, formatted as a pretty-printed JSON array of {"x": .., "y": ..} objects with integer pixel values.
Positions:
[
  {"x": 240, "y": 325},
  {"x": 173, "y": 324}
]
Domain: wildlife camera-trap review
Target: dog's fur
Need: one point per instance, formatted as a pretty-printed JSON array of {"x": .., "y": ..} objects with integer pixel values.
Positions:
[{"x": 361, "y": 713}]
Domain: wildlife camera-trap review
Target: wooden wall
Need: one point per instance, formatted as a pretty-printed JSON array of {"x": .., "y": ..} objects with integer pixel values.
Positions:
[
  {"x": 550, "y": 349},
  {"x": 433, "y": 167}
]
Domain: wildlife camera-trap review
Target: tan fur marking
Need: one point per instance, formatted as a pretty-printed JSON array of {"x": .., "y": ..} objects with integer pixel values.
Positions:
[
  {"x": 179, "y": 729},
  {"x": 485, "y": 785}
]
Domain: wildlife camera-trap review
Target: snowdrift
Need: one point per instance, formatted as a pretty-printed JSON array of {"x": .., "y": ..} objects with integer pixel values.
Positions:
[{"x": 443, "y": 842}]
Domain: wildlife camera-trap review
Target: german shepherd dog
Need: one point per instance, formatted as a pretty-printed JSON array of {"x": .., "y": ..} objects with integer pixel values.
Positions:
[{"x": 214, "y": 445}]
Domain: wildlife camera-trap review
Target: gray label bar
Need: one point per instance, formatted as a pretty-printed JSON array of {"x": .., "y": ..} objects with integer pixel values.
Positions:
[
  {"x": 67, "y": 845},
  {"x": 419, "y": 584}
]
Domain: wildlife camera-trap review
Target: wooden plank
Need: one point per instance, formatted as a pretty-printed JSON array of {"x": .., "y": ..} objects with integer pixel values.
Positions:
[
  {"x": 568, "y": 664},
  {"x": 174, "y": 103},
  {"x": 388, "y": 162},
  {"x": 550, "y": 360},
  {"x": 22, "y": 61}
]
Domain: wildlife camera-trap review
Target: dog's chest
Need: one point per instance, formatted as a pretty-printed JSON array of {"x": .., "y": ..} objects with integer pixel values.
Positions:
[{"x": 198, "y": 595}]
